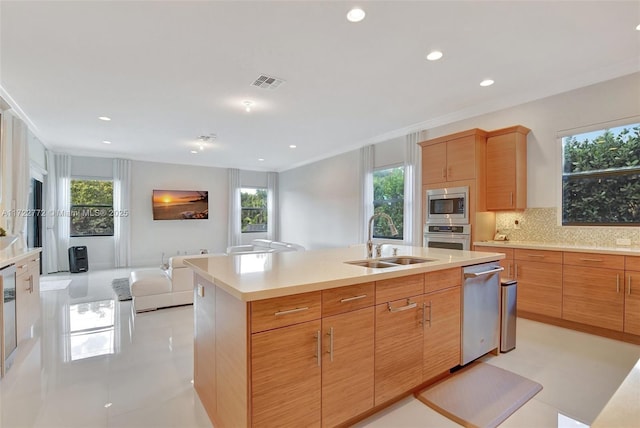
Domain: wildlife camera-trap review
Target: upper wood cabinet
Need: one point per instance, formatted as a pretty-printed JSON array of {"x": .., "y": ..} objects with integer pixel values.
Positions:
[
  {"x": 506, "y": 181},
  {"x": 453, "y": 157}
]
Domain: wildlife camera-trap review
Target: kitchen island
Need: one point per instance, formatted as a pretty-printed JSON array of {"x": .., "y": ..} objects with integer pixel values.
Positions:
[{"x": 306, "y": 338}]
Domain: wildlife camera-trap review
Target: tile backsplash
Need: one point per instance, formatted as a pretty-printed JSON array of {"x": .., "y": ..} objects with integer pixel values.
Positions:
[{"x": 541, "y": 225}]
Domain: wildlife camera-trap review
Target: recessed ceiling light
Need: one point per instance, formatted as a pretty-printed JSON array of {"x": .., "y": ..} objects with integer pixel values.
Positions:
[
  {"x": 638, "y": 27},
  {"x": 106, "y": 406},
  {"x": 355, "y": 15},
  {"x": 106, "y": 142},
  {"x": 434, "y": 56},
  {"x": 292, "y": 146},
  {"x": 105, "y": 118},
  {"x": 194, "y": 151},
  {"x": 247, "y": 105},
  {"x": 261, "y": 159},
  {"x": 487, "y": 82}
]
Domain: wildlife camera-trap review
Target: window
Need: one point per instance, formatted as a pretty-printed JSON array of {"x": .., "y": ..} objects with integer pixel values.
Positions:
[
  {"x": 254, "y": 210},
  {"x": 91, "y": 207},
  {"x": 601, "y": 177},
  {"x": 388, "y": 198}
]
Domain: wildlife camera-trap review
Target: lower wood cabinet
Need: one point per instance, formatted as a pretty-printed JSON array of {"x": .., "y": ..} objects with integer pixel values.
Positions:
[
  {"x": 27, "y": 295},
  {"x": 632, "y": 295},
  {"x": 286, "y": 376},
  {"x": 441, "y": 332},
  {"x": 398, "y": 347},
  {"x": 347, "y": 365},
  {"x": 539, "y": 276}
]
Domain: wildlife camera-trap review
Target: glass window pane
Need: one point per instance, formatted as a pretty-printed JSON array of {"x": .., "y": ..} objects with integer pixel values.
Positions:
[
  {"x": 388, "y": 198},
  {"x": 91, "y": 208},
  {"x": 254, "y": 210}
]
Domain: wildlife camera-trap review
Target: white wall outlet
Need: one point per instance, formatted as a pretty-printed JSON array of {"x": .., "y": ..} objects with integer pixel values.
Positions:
[
  {"x": 623, "y": 241},
  {"x": 200, "y": 290},
  {"x": 516, "y": 224}
]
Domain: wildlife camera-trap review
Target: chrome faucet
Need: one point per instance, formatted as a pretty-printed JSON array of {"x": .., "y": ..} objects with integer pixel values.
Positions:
[{"x": 392, "y": 226}]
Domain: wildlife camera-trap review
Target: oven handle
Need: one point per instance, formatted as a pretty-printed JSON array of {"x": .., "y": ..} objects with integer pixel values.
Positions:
[{"x": 486, "y": 272}]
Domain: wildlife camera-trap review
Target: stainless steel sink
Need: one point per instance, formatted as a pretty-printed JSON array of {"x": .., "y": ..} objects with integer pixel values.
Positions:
[{"x": 389, "y": 262}]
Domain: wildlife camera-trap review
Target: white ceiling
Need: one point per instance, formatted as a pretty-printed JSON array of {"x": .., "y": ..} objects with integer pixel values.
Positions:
[{"x": 167, "y": 72}]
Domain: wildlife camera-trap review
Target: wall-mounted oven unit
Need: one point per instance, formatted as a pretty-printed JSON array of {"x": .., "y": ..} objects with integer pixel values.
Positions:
[
  {"x": 448, "y": 236},
  {"x": 448, "y": 205}
]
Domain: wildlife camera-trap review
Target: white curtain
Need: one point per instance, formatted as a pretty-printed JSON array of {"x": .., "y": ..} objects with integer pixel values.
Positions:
[
  {"x": 273, "y": 231},
  {"x": 412, "y": 191},
  {"x": 63, "y": 193},
  {"x": 366, "y": 183},
  {"x": 235, "y": 231},
  {"x": 50, "y": 252},
  {"x": 121, "y": 211},
  {"x": 20, "y": 179}
]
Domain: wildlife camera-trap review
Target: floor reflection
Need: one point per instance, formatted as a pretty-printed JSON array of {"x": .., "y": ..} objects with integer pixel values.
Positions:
[{"x": 91, "y": 329}]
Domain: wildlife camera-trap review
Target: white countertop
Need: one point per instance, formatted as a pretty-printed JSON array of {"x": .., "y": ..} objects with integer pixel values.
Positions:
[
  {"x": 258, "y": 276},
  {"x": 623, "y": 409},
  {"x": 532, "y": 245},
  {"x": 13, "y": 253}
]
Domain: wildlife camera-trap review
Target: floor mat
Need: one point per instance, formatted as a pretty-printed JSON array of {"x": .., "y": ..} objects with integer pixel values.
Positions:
[{"x": 121, "y": 287}]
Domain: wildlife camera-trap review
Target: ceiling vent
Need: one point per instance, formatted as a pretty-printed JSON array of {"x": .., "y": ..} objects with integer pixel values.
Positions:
[{"x": 267, "y": 82}]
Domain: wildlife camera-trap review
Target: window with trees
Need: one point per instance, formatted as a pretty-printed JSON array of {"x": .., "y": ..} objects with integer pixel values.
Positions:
[
  {"x": 91, "y": 207},
  {"x": 601, "y": 177},
  {"x": 253, "y": 202},
  {"x": 388, "y": 198}
]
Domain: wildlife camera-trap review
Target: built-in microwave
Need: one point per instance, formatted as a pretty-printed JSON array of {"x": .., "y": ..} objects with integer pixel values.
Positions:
[{"x": 448, "y": 206}]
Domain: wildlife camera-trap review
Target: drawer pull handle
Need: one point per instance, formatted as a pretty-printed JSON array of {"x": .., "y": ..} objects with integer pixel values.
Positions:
[
  {"x": 408, "y": 306},
  {"x": 318, "y": 348},
  {"x": 291, "y": 311},
  {"x": 23, "y": 266},
  {"x": 591, "y": 260},
  {"x": 541, "y": 256},
  {"x": 351, "y": 299},
  {"x": 486, "y": 272}
]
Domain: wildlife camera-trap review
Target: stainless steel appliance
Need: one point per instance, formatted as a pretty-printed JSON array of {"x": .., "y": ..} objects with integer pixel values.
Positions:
[
  {"x": 448, "y": 205},
  {"x": 508, "y": 309},
  {"x": 452, "y": 237},
  {"x": 9, "y": 337},
  {"x": 480, "y": 310}
]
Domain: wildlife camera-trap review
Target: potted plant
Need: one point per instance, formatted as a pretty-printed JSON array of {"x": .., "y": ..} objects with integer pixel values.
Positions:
[{"x": 6, "y": 240}]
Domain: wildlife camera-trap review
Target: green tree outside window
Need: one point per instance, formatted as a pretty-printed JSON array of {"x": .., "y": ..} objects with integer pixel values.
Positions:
[
  {"x": 388, "y": 198},
  {"x": 91, "y": 208}
]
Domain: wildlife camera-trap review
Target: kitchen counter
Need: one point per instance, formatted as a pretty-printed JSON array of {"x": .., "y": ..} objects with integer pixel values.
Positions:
[
  {"x": 13, "y": 253},
  {"x": 250, "y": 277},
  {"x": 533, "y": 245}
]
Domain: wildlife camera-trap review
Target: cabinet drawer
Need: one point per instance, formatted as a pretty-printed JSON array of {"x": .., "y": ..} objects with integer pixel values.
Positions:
[
  {"x": 632, "y": 263},
  {"x": 398, "y": 288},
  {"x": 22, "y": 266},
  {"x": 441, "y": 279},
  {"x": 278, "y": 312},
  {"x": 349, "y": 298},
  {"x": 508, "y": 252},
  {"x": 538, "y": 255},
  {"x": 593, "y": 260}
]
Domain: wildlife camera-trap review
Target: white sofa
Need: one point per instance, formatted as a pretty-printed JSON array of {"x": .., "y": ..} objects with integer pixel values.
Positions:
[
  {"x": 264, "y": 246},
  {"x": 160, "y": 288}
]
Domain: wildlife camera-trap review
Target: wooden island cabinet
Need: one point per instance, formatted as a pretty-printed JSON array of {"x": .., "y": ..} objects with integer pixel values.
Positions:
[{"x": 328, "y": 357}]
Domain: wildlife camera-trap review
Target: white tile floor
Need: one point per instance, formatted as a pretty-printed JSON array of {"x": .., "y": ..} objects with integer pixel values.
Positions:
[{"x": 92, "y": 363}]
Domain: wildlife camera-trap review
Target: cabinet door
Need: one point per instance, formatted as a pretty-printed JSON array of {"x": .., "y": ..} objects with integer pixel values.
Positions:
[
  {"x": 347, "y": 365},
  {"x": 539, "y": 287},
  {"x": 593, "y": 296},
  {"x": 434, "y": 163},
  {"x": 501, "y": 173},
  {"x": 398, "y": 348},
  {"x": 461, "y": 159},
  {"x": 204, "y": 344},
  {"x": 441, "y": 332},
  {"x": 286, "y": 376},
  {"x": 632, "y": 303}
]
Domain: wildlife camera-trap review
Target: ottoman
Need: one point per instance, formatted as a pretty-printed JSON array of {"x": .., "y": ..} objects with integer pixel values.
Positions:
[{"x": 150, "y": 289}]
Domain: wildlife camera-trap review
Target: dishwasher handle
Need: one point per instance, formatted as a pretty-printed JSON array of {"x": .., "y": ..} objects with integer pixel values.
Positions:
[{"x": 486, "y": 272}]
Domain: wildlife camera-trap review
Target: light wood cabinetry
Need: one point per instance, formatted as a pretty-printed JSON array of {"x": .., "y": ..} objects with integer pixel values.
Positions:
[
  {"x": 507, "y": 263},
  {"x": 347, "y": 365},
  {"x": 449, "y": 160},
  {"x": 27, "y": 294},
  {"x": 593, "y": 291},
  {"x": 441, "y": 322},
  {"x": 632, "y": 295},
  {"x": 539, "y": 276},
  {"x": 507, "y": 169}
]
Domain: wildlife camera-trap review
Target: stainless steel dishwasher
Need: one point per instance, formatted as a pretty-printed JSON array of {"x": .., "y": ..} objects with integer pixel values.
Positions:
[
  {"x": 480, "y": 311},
  {"x": 8, "y": 339}
]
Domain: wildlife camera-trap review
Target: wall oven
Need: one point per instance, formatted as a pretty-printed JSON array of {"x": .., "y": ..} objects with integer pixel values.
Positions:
[
  {"x": 448, "y": 236},
  {"x": 448, "y": 205}
]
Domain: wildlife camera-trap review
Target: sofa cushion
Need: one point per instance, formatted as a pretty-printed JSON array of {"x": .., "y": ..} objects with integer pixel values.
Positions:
[
  {"x": 146, "y": 282},
  {"x": 178, "y": 261}
]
